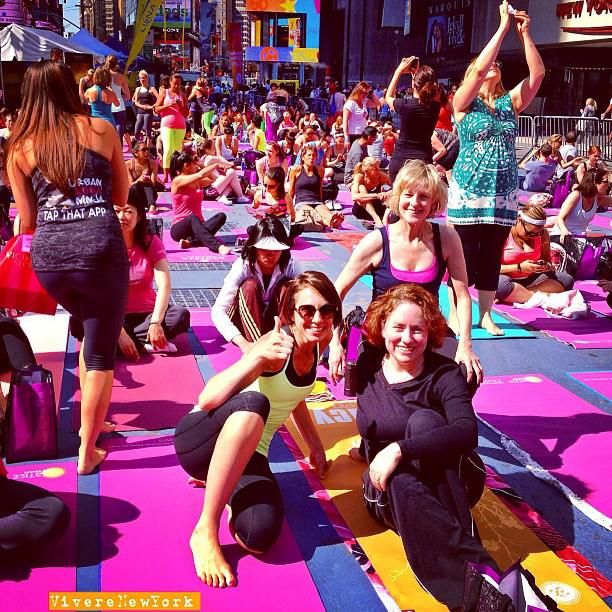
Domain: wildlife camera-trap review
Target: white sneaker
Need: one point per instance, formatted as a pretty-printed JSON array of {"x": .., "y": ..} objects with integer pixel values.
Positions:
[
  {"x": 243, "y": 200},
  {"x": 224, "y": 200},
  {"x": 169, "y": 348},
  {"x": 337, "y": 205},
  {"x": 329, "y": 204}
]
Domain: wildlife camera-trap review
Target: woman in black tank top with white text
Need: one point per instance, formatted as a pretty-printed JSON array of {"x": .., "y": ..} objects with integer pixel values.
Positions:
[
  {"x": 67, "y": 170},
  {"x": 306, "y": 192}
]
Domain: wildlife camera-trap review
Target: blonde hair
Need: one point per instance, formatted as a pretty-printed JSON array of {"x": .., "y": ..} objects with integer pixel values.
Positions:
[
  {"x": 591, "y": 102},
  {"x": 500, "y": 90},
  {"x": 367, "y": 162},
  {"x": 143, "y": 72},
  {"x": 417, "y": 174}
]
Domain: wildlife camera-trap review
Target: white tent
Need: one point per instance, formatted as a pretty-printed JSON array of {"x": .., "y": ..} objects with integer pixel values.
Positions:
[{"x": 31, "y": 44}]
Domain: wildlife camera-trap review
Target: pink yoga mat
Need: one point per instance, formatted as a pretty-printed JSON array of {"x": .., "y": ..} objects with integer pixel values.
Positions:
[
  {"x": 565, "y": 434},
  {"x": 594, "y": 295},
  {"x": 220, "y": 353},
  {"x": 154, "y": 392},
  {"x": 603, "y": 221},
  {"x": 194, "y": 254},
  {"x": 22, "y": 588},
  {"x": 600, "y": 382},
  {"x": 593, "y": 332},
  {"x": 154, "y": 553}
]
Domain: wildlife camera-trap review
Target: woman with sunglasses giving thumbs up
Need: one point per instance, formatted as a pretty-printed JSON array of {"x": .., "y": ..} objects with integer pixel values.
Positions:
[{"x": 224, "y": 440}]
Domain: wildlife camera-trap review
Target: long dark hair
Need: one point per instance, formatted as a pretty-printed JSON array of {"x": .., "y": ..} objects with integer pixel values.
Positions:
[
  {"x": 587, "y": 186},
  {"x": 178, "y": 161},
  {"x": 425, "y": 85},
  {"x": 278, "y": 174},
  {"x": 50, "y": 102},
  {"x": 269, "y": 227},
  {"x": 138, "y": 199}
]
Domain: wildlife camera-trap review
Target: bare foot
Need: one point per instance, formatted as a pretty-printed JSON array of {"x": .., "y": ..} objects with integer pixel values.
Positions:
[
  {"x": 487, "y": 324},
  {"x": 224, "y": 250},
  {"x": 184, "y": 244},
  {"x": 107, "y": 427},
  {"x": 210, "y": 564},
  {"x": 90, "y": 461},
  {"x": 200, "y": 484}
]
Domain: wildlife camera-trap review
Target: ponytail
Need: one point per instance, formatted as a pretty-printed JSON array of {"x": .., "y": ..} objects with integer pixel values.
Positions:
[{"x": 178, "y": 161}]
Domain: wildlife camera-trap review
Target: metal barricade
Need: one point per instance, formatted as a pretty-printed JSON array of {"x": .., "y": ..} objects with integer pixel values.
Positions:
[
  {"x": 590, "y": 131},
  {"x": 525, "y": 138}
]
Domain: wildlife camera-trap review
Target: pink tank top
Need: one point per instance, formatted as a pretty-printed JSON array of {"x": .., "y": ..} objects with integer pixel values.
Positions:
[
  {"x": 514, "y": 254},
  {"x": 187, "y": 202},
  {"x": 172, "y": 117}
]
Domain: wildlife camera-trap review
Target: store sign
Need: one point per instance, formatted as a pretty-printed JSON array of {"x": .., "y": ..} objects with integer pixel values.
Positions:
[
  {"x": 449, "y": 26},
  {"x": 592, "y": 18},
  {"x": 301, "y": 55}
]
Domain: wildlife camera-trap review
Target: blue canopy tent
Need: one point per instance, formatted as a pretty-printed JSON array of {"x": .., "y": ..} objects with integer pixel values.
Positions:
[{"x": 85, "y": 39}]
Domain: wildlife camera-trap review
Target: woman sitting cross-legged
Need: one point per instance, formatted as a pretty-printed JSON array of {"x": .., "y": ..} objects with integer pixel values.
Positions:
[
  {"x": 189, "y": 227},
  {"x": 143, "y": 170},
  {"x": 251, "y": 294},
  {"x": 306, "y": 192},
  {"x": 149, "y": 322},
  {"x": 526, "y": 263},
  {"x": 415, "y": 414},
  {"x": 367, "y": 191},
  {"x": 225, "y": 440},
  {"x": 225, "y": 179}
]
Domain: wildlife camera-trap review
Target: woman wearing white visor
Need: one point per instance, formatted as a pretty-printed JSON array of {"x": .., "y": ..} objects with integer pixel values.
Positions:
[{"x": 252, "y": 290}]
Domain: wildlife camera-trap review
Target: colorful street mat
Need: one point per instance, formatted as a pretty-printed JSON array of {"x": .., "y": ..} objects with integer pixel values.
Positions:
[
  {"x": 594, "y": 332},
  {"x": 146, "y": 395},
  {"x": 566, "y": 435},
  {"x": 600, "y": 382},
  {"x": 504, "y": 535},
  {"x": 154, "y": 537}
]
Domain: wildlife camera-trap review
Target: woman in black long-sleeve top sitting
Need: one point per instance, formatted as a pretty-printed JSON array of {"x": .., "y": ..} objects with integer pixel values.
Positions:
[{"x": 416, "y": 417}]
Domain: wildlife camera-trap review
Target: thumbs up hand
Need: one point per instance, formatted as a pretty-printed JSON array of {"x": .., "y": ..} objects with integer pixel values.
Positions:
[{"x": 273, "y": 349}]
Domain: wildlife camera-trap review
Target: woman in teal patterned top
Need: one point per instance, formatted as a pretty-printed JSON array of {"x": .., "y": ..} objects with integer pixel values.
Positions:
[{"x": 482, "y": 195}]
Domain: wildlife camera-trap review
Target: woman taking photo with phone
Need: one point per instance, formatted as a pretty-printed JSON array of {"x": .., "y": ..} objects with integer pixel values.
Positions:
[{"x": 482, "y": 199}]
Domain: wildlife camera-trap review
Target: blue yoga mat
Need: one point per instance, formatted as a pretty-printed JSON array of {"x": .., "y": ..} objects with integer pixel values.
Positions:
[{"x": 511, "y": 330}]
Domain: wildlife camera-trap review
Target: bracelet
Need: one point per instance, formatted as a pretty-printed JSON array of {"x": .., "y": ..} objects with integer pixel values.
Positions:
[
  {"x": 155, "y": 323},
  {"x": 518, "y": 267}
]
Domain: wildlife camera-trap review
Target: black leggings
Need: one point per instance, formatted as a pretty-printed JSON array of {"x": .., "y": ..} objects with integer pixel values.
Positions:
[
  {"x": 15, "y": 350},
  {"x": 120, "y": 117},
  {"x": 397, "y": 163},
  {"x": 483, "y": 246},
  {"x": 360, "y": 212},
  {"x": 198, "y": 232},
  {"x": 97, "y": 298},
  {"x": 256, "y": 502},
  {"x": 28, "y": 515},
  {"x": 427, "y": 502}
]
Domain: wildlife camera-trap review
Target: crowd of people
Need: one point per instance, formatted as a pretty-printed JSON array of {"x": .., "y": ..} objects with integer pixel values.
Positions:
[{"x": 87, "y": 207}]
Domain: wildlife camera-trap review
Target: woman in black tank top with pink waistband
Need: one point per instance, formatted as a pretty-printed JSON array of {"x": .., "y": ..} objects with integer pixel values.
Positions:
[{"x": 413, "y": 250}]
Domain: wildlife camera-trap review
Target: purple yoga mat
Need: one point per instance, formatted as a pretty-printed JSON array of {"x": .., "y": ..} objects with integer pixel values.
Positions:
[
  {"x": 594, "y": 295},
  {"x": 154, "y": 553},
  {"x": 600, "y": 382},
  {"x": 592, "y": 332},
  {"x": 566, "y": 435},
  {"x": 53, "y": 568},
  {"x": 602, "y": 221},
  {"x": 154, "y": 392}
]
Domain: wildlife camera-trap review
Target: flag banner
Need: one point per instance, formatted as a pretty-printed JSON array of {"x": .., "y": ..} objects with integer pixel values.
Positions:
[{"x": 145, "y": 13}]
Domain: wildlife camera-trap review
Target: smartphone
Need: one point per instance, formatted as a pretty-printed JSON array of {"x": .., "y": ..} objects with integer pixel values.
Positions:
[{"x": 541, "y": 262}]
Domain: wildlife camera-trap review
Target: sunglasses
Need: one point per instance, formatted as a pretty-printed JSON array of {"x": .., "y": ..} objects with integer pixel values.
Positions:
[
  {"x": 271, "y": 185},
  {"x": 308, "y": 311}
]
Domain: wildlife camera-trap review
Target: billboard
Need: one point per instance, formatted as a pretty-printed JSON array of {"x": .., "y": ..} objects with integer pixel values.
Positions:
[
  {"x": 297, "y": 55},
  {"x": 177, "y": 14},
  {"x": 449, "y": 27}
]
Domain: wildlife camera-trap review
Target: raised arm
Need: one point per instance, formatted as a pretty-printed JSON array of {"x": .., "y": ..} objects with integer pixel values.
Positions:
[
  {"x": 524, "y": 93},
  {"x": 407, "y": 66},
  {"x": 470, "y": 87}
]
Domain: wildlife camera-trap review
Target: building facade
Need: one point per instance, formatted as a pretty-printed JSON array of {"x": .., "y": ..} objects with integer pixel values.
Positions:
[{"x": 43, "y": 14}]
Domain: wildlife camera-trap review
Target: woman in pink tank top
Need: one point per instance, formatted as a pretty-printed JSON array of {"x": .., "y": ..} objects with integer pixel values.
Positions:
[{"x": 172, "y": 107}]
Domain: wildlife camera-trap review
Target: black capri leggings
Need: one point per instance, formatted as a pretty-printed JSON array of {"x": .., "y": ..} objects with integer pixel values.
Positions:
[
  {"x": 198, "y": 232},
  {"x": 483, "y": 246},
  {"x": 28, "y": 515},
  {"x": 97, "y": 298},
  {"x": 256, "y": 502}
]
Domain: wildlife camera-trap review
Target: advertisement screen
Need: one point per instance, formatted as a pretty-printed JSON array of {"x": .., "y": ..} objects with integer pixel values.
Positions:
[
  {"x": 448, "y": 28},
  {"x": 177, "y": 12}
]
